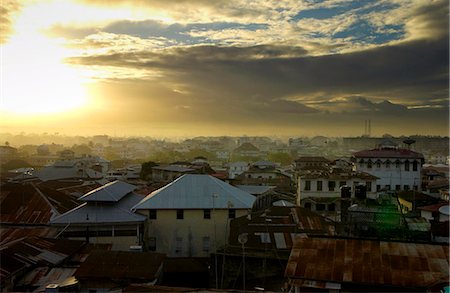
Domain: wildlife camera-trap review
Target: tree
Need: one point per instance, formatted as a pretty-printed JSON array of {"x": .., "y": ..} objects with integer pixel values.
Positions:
[{"x": 282, "y": 158}]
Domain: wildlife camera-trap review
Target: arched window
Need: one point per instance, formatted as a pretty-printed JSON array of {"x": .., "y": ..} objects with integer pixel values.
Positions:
[
  {"x": 388, "y": 164},
  {"x": 369, "y": 164}
]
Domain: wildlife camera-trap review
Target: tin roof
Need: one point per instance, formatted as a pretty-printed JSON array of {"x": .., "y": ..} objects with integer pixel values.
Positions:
[
  {"x": 110, "y": 192},
  {"x": 388, "y": 153},
  {"x": 197, "y": 191},
  {"x": 174, "y": 168},
  {"x": 98, "y": 213},
  {"x": 33, "y": 250},
  {"x": 32, "y": 204},
  {"x": 256, "y": 189},
  {"x": 371, "y": 262},
  {"x": 278, "y": 226},
  {"x": 8, "y": 234}
]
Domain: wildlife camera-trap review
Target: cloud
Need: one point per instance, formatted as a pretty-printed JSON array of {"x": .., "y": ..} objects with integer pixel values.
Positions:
[
  {"x": 8, "y": 11},
  {"x": 360, "y": 104}
]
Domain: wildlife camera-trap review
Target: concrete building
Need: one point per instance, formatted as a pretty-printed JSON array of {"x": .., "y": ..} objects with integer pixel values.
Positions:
[
  {"x": 190, "y": 216},
  {"x": 396, "y": 168},
  {"x": 321, "y": 190},
  {"x": 236, "y": 168}
]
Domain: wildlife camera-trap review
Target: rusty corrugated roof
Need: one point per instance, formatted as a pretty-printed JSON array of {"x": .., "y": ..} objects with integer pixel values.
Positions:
[
  {"x": 410, "y": 265},
  {"x": 277, "y": 227},
  {"x": 32, "y": 204},
  {"x": 30, "y": 251}
]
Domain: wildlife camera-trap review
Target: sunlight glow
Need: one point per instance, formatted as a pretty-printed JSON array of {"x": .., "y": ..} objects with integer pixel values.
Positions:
[{"x": 33, "y": 77}]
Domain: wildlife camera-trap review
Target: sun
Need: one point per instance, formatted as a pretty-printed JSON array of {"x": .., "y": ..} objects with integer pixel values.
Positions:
[{"x": 34, "y": 78}]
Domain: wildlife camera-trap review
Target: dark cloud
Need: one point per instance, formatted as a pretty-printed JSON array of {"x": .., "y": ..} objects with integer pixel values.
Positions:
[{"x": 257, "y": 83}]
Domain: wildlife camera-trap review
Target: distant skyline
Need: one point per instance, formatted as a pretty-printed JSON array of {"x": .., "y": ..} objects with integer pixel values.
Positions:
[{"x": 226, "y": 67}]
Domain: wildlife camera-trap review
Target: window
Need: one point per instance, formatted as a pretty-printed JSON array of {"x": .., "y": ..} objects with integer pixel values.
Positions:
[
  {"x": 415, "y": 187},
  {"x": 397, "y": 187},
  {"x": 378, "y": 164},
  {"x": 378, "y": 187},
  {"x": 320, "y": 207},
  {"x": 331, "y": 185},
  {"x": 319, "y": 185},
  {"x": 414, "y": 165},
  {"x": 342, "y": 183},
  {"x": 397, "y": 164},
  {"x": 206, "y": 214},
  {"x": 388, "y": 164},
  {"x": 178, "y": 245},
  {"x": 388, "y": 187},
  {"x": 369, "y": 164},
  {"x": 180, "y": 214},
  {"x": 369, "y": 186},
  {"x": 307, "y": 185},
  {"x": 308, "y": 205},
  {"x": 152, "y": 244},
  {"x": 152, "y": 214},
  {"x": 406, "y": 165},
  {"x": 405, "y": 187},
  {"x": 206, "y": 244},
  {"x": 332, "y": 207},
  {"x": 231, "y": 213}
]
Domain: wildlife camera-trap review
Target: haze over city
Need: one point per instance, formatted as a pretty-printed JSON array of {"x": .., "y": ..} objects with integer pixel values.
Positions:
[{"x": 197, "y": 67}]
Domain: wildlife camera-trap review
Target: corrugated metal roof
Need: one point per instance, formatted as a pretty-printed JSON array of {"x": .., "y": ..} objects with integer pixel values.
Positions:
[
  {"x": 388, "y": 153},
  {"x": 197, "y": 191},
  {"x": 32, "y": 250},
  {"x": 174, "y": 168},
  {"x": 372, "y": 262},
  {"x": 98, "y": 213},
  {"x": 255, "y": 189},
  {"x": 111, "y": 192}
]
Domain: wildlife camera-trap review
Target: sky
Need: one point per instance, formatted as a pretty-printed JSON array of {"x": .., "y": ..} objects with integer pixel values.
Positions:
[{"x": 225, "y": 67}]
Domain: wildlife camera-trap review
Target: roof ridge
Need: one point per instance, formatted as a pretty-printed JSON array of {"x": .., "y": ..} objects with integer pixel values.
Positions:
[{"x": 220, "y": 182}]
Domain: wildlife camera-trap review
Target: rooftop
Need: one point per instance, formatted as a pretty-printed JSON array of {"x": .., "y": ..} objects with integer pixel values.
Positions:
[
  {"x": 89, "y": 213},
  {"x": 388, "y": 153},
  {"x": 197, "y": 191},
  {"x": 372, "y": 262},
  {"x": 110, "y": 192}
]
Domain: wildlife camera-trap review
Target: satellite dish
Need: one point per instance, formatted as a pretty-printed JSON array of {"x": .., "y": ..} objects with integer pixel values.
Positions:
[{"x": 243, "y": 238}]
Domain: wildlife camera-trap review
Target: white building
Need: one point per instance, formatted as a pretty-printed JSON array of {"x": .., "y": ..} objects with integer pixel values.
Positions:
[
  {"x": 237, "y": 168},
  {"x": 396, "y": 168},
  {"x": 190, "y": 216},
  {"x": 321, "y": 190}
]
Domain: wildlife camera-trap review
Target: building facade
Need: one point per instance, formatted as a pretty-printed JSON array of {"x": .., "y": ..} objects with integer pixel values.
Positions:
[
  {"x": 397, "y": 168},
  {"x": 190, "y": 216}
]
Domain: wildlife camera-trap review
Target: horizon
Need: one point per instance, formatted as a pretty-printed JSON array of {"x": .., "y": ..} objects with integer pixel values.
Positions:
[{"x": 196, "y": 68}]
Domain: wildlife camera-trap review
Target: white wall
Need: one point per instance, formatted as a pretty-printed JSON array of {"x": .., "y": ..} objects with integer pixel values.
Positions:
[
  {"x": 393, "y": 175},
  {"x": 191, "y": 230}
]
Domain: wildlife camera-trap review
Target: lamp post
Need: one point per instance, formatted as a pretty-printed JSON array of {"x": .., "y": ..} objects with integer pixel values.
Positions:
[{"x": 243, "y": 238}]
